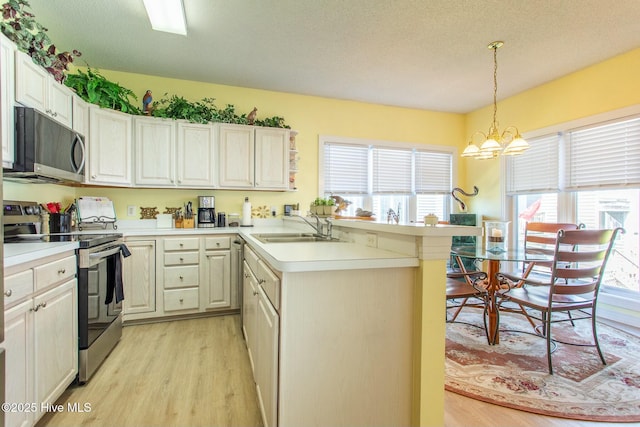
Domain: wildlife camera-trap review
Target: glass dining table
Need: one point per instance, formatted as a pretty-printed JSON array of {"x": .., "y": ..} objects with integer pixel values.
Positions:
[{"x": 494, "y": 258}]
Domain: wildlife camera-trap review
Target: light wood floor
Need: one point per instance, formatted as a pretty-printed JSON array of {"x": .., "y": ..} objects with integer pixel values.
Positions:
[{"x": 197, "y": 373}]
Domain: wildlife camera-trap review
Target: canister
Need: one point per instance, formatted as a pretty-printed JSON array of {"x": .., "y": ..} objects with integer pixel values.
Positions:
[{"x": 222, "y": 220}]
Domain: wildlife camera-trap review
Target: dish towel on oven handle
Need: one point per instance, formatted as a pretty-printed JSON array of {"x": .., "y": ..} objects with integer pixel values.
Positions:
[{"x": 114, "y": 276}]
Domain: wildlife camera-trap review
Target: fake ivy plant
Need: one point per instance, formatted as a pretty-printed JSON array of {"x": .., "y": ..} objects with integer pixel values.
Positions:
[{"x": 21, "y": 27}]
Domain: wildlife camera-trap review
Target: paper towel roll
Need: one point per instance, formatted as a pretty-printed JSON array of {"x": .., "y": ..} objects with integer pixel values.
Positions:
[{"x": 246, "y": 212}]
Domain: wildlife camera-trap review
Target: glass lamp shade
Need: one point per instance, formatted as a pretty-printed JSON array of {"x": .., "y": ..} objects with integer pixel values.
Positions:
[
  {"x": 472, "y": 150},
  {"x": 516, "y": 146},
  {"x": 490, "y": 145}
]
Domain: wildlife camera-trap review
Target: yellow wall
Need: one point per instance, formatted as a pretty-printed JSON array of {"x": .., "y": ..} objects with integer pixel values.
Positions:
[
  {"x": 606, "y": 86},
  {"x": 310, "y": 116}
]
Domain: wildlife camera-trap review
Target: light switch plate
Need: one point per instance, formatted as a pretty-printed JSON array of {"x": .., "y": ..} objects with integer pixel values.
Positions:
[{"x": 131, "y": 210}]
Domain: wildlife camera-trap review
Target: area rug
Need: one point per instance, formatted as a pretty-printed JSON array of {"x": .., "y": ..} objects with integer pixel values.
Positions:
[{"x": 514, "y": 372}]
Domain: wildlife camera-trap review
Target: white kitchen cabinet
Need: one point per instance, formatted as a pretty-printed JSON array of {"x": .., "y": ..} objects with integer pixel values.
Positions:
[
  {"x": 56, "y": 341},
  {"x": 81, "y": 117},
  {"x": 7, "y": 100},
  {"x": 266, "y": 368},
  {"x": 155, "y": 148},
  {"x": 216, "y": 288},
  {"x": 139, "y": 278},
  {"x": 249, "y": 311},
  {"x": 36, "y": 88},
  {"x": 261, "y": 327},
  {"x": 196, "y": 156},
  {"x": 253, "y": 157},
  {"x": 19, "y": 382},
  {"x": 41, "y": 334},
  {"x": 110, "y": 147},
  {"x": 181, "y": 274}
]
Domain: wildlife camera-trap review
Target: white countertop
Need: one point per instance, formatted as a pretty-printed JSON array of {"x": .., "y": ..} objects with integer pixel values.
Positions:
[
  {"x": 285, "y": 257},
  {"x": 19, "y": 253}
]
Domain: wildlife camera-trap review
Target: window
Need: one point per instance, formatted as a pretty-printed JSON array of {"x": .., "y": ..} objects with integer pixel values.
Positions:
[
  {"x": 586, "y": 175},
  {"x": 413, "y": 180}
]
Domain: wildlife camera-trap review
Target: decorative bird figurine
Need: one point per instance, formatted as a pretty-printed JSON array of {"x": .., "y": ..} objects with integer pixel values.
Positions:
[
  {"x": 361, "y": 212},
  {"x": 341, "y": 204},
  {"x": 252, "y": 116},
  {"x": 146, "y": 103}
]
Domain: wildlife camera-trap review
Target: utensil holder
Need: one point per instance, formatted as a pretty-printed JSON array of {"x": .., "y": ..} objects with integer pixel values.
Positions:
[{"x": 59, "y": 223}]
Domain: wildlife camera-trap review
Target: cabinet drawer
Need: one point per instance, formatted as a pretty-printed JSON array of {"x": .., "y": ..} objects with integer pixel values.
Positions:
[
  {"x": 217, "y": 243},
  {"x": 180, "y": 277},
  {"x": 181, "y": 258},
  {"x": 181, "y": 299},
  {"x": 270, "y": 283},
  {"x": 17, "y": 286},
  {"x": 182, "y": 244},
  {"x": 251, "y": 258},
  {"x": 54, "y": 272}
]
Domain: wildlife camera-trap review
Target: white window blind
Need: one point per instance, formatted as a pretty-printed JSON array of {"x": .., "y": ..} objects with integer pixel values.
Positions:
[
  {"x": 604, "y": 156},
  {"x": 536, "y": 170},
  {"x": 433, "y": 172},
  {"x": 391, "y": 171},
  {"x": 346, "y": 168}
]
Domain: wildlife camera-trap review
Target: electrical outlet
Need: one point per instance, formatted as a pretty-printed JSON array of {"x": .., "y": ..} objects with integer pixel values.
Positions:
[
  {"x": 372, "y": 240},
  {"x": 131, "y": 210}
]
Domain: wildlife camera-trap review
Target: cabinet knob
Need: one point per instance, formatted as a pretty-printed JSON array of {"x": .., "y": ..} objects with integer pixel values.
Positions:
[
  {"x": 217, "y": 243},
  {"x": 246, "y": 275},
  {"x": 8, "y": 293},
  {"x": 181, "y": 244},
  {"x": 43, "y": 305},
  {"x": 261, "y": 281},
  {"x": 93, "y": 176},
  {"x": 62, "y": 271},
  {"x": 255, "y": 293},
  {"x": 181, "y": 259},
  {"x": 181, "y": 277},
  {"x": 181, "y": 300}
]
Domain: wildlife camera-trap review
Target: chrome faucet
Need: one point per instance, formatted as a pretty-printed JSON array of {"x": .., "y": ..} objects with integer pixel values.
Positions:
[
  {"x": 319, "y": 227},
  {"x": 391, "y": 215}
]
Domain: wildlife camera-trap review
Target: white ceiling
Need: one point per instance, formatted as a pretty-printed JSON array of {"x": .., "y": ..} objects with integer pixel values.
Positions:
[{"x": 427, "y": 54}]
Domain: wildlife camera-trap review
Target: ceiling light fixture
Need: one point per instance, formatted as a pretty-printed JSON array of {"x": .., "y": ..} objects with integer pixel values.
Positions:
[
  {"x": 507, "y": 143},
  {"x": 167, "y": 16}
]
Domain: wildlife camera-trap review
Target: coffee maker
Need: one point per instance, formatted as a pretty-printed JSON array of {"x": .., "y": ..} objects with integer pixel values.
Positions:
[{"x": 206, "y": 211}]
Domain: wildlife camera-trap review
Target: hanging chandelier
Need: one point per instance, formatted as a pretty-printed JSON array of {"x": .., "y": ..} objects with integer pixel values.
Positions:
[{"x": 494, "y": 143}]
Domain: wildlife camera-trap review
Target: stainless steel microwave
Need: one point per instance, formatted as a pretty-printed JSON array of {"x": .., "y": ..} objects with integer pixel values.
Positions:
[{"x": 45, "y": 150}]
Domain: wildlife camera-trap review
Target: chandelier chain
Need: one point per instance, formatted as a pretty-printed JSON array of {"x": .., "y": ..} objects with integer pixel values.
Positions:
[{"x": 495, "y": 85}]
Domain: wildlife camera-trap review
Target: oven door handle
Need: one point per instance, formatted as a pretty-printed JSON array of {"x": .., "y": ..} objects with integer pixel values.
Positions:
[{"x": 104, "y": 254}]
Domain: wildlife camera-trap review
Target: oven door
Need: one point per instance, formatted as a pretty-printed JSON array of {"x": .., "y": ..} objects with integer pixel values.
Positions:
[{"x": 94, "y": 280}]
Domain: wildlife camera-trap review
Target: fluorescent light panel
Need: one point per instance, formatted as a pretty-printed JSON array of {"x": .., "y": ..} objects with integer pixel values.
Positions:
[{"x": 167, "y": 16}]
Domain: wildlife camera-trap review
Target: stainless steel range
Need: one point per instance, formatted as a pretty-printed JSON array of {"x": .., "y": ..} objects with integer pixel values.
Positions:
[{"x": 100, "y": 291}]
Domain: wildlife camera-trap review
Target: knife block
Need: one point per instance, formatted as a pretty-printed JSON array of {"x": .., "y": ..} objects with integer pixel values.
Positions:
[
  {"x": 188, "y": 223},
  {"x": 179, "y": 223}
]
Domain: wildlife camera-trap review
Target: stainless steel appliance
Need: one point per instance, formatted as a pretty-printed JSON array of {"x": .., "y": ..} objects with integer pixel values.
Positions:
[
  {"x": 99, "y": 277},
  {"x": 206, "y": 211},
  {"x": 45, "y": 150},
  {"x": 99, "y": 314}
]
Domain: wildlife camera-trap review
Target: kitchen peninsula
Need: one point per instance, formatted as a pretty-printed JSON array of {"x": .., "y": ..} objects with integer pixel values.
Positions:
[{"x": 361, "y": 321}]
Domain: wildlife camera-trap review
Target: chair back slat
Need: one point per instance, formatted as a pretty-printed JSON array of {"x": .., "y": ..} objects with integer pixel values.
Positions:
[
  {"x": 579, "y": 270},
  {"x": 541, "y": 237}
]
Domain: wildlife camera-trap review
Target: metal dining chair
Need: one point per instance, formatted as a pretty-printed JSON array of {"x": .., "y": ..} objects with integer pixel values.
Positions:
[
  {"x": 467, "y": 289},
  {"x": 579, "y": 260}
]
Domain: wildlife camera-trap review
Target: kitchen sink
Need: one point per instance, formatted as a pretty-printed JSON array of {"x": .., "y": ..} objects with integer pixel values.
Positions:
[{"x": 291, "y": 238}]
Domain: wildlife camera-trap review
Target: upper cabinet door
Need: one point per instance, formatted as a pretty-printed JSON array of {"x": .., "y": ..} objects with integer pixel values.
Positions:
[
  {"x": 272, "y": 159},
  {"x": 236, "y": 144},
  {"x": 196, "y": 155},
  {"x": 37, "y": 89},
  {"x": 110, "y": 147},
  {"x": 7, "y": 99},
  {"x": 155, "y": 148}
]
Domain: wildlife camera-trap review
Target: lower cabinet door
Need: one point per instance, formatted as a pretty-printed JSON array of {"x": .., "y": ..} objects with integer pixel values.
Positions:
[
  {"x": 56, "y": 341},
  {"x": 18, "y": 342},
  {"x": 216, "y": 290},
  {"x": 266, "y": 371}
]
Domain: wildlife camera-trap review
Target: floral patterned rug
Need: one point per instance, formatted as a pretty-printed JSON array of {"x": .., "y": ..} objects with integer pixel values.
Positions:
[{"x": 514, "y": 373}]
